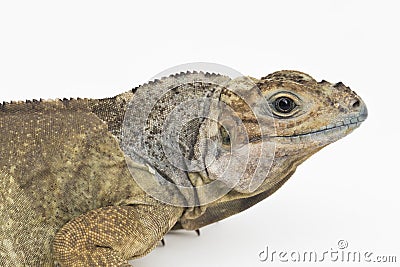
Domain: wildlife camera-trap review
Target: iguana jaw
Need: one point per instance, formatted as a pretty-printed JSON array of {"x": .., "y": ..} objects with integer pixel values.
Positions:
[{"x": 339, "y": 129}]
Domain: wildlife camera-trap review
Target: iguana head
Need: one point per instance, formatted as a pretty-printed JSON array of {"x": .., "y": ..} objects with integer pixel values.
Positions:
[
  {"x": 292, "y": 117},
  {"x": 308, "y": 112}
]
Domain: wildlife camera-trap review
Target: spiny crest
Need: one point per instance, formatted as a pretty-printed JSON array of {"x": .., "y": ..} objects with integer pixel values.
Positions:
[
  {"x": 177, "y": 76},
  {"x": 42, "y": 104}
]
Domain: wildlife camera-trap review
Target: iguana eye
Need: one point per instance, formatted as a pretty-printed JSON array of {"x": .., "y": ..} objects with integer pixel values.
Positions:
[{"x": 284, "y": 104}]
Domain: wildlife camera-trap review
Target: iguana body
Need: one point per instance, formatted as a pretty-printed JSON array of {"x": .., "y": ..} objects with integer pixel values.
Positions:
[{"x": 67, "y": 195}]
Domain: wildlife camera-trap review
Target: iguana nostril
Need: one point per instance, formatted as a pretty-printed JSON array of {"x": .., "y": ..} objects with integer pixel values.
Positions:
[{"x": 355, "y": 104}]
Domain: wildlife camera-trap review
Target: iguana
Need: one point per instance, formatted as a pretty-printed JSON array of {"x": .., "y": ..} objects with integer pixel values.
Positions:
[{"x": 97, "y": 182}]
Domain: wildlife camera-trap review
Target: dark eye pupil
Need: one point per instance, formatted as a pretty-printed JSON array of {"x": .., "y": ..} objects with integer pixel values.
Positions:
[{"x": 284, "y": 104}]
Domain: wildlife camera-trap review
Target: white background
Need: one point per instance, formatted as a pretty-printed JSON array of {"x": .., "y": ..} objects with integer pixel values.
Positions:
[{"x": 349, "y": 190}]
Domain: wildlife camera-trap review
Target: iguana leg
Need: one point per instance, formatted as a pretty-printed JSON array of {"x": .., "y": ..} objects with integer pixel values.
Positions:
[{"x": 112, "y": 235}]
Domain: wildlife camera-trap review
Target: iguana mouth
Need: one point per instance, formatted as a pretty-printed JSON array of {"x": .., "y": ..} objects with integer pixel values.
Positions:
[
  {"x": 344, "y": 125},
  {"x": 347, "y": 124},
  {"x": 338, "y": 127}
]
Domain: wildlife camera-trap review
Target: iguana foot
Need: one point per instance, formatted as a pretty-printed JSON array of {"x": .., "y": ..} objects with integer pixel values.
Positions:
[{"x": 110, "y": 236}]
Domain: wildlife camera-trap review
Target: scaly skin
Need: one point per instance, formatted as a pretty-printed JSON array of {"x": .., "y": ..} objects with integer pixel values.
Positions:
[{"x": 70, "y": 182}]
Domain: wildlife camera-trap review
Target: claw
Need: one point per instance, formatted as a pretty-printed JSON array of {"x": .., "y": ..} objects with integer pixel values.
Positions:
[
  {"x": 163, "y": 242},
  {"x": 197, "y": 232}
]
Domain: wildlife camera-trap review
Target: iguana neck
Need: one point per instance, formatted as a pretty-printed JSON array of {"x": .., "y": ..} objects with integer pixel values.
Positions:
[
  {"x": 112, "y": 111},
  {"x": 140, "y": 121}
]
